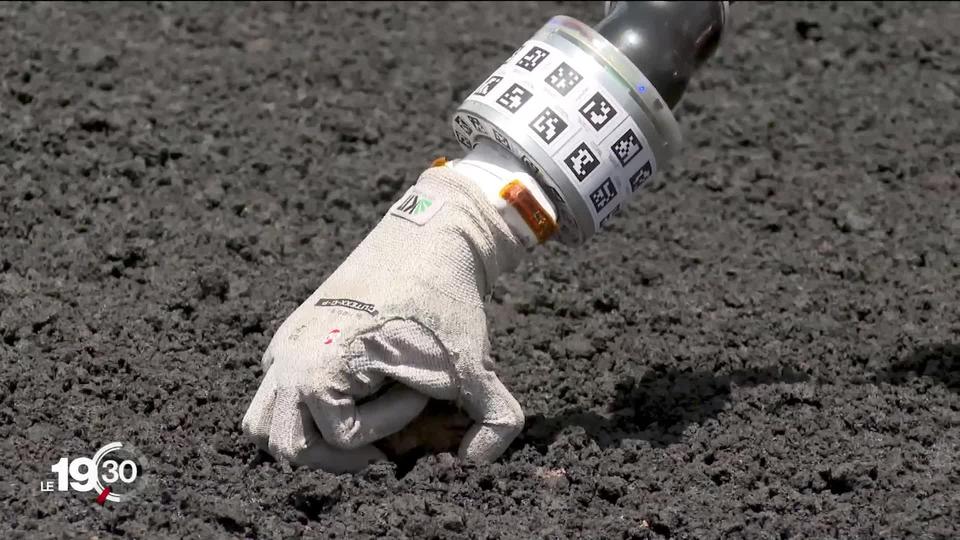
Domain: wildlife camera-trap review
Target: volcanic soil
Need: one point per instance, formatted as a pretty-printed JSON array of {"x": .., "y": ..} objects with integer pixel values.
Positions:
[{"x": 764, "y": 344}]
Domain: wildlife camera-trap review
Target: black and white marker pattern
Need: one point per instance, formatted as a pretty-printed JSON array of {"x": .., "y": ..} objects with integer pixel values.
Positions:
[
  {"x": 533, "y": 58},
  {"x": 626, "y": 147},
  {"x": 598, "y": 111},
  {"x": 563, "y": 79},
  {"x": 577, "y": 125},
  {"x": 514, "y": 98},
  {"x": 502, "y": 139},
  {"x": 548, "y": 125},
  {"x": 489, "y": 85},
  {"x": 464, "y": 140},
  {"x": 477, "y": 124},
  {"x": 463, "y": 124},
  {"x": 642, "y": 175},
  {"x": 582, "y": 161},
  {"x": 603, "y": 195}
]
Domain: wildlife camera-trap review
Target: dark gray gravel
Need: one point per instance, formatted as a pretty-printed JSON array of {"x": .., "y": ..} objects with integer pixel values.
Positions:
[{"x": 765, "y": 345}]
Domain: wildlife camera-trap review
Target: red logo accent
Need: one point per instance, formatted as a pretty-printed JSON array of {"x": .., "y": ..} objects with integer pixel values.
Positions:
[
  {"x": 331, "y": 336},
  {"x": 102, "y": 498}
]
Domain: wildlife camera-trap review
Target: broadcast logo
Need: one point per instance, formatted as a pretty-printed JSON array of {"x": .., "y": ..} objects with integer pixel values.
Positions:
[{"x": 116, "y": 473}]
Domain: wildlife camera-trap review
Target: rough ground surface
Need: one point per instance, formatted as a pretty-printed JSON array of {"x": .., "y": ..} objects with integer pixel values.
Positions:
[{"x": 767, "y": 345}]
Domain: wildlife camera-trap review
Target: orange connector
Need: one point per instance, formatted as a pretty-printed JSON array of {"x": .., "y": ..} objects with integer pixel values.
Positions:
[{"x": 519, "y": 197}]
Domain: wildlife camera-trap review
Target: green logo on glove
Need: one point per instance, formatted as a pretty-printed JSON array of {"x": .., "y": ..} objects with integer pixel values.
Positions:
[
  {"x": 422, "y": 206},
  {"x": 415, "y": 206}
]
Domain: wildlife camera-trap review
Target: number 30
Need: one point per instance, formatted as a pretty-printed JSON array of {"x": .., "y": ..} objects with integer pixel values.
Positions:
[{"x": 117, "y": 471}]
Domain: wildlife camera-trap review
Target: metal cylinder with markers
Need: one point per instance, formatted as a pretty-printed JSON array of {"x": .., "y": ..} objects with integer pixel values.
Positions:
[{"x": 589, "y": 110}]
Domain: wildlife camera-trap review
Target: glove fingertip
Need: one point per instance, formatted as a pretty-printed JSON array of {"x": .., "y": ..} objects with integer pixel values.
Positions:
[{"x": 486, "y": 443}]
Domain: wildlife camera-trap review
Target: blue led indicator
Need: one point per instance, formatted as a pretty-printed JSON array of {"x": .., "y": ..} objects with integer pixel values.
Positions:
[{"x": 641, "y": 88}]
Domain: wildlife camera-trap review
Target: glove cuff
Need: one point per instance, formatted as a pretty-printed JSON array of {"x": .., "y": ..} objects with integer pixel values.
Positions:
[{"x": 499, "y": 249}]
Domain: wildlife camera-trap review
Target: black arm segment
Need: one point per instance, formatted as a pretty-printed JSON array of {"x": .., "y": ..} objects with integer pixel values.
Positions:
[{"x": 668, "y": 41}]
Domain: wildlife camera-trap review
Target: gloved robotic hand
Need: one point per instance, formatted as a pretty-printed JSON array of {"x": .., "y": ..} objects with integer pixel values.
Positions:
[
  {"x": 560, "y": 137},
  {"x": 405, "y": 307}
]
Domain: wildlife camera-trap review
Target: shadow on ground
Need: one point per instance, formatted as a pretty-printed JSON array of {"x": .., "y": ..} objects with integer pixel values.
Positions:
[
  {"x": 656, "y": 408},
  {"x": 939, "y": 363},
  {"x": 661, "y": 405}
]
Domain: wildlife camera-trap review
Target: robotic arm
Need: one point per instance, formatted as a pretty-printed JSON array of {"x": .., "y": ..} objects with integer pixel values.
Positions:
[
  {"x": 587, "y": 111},
  {"x": 558, "y": 139},
  {"x": 668, "y": 41}
]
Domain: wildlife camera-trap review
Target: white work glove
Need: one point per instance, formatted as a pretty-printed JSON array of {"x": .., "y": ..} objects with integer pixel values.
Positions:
[{"x": 405, "y": 306}]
